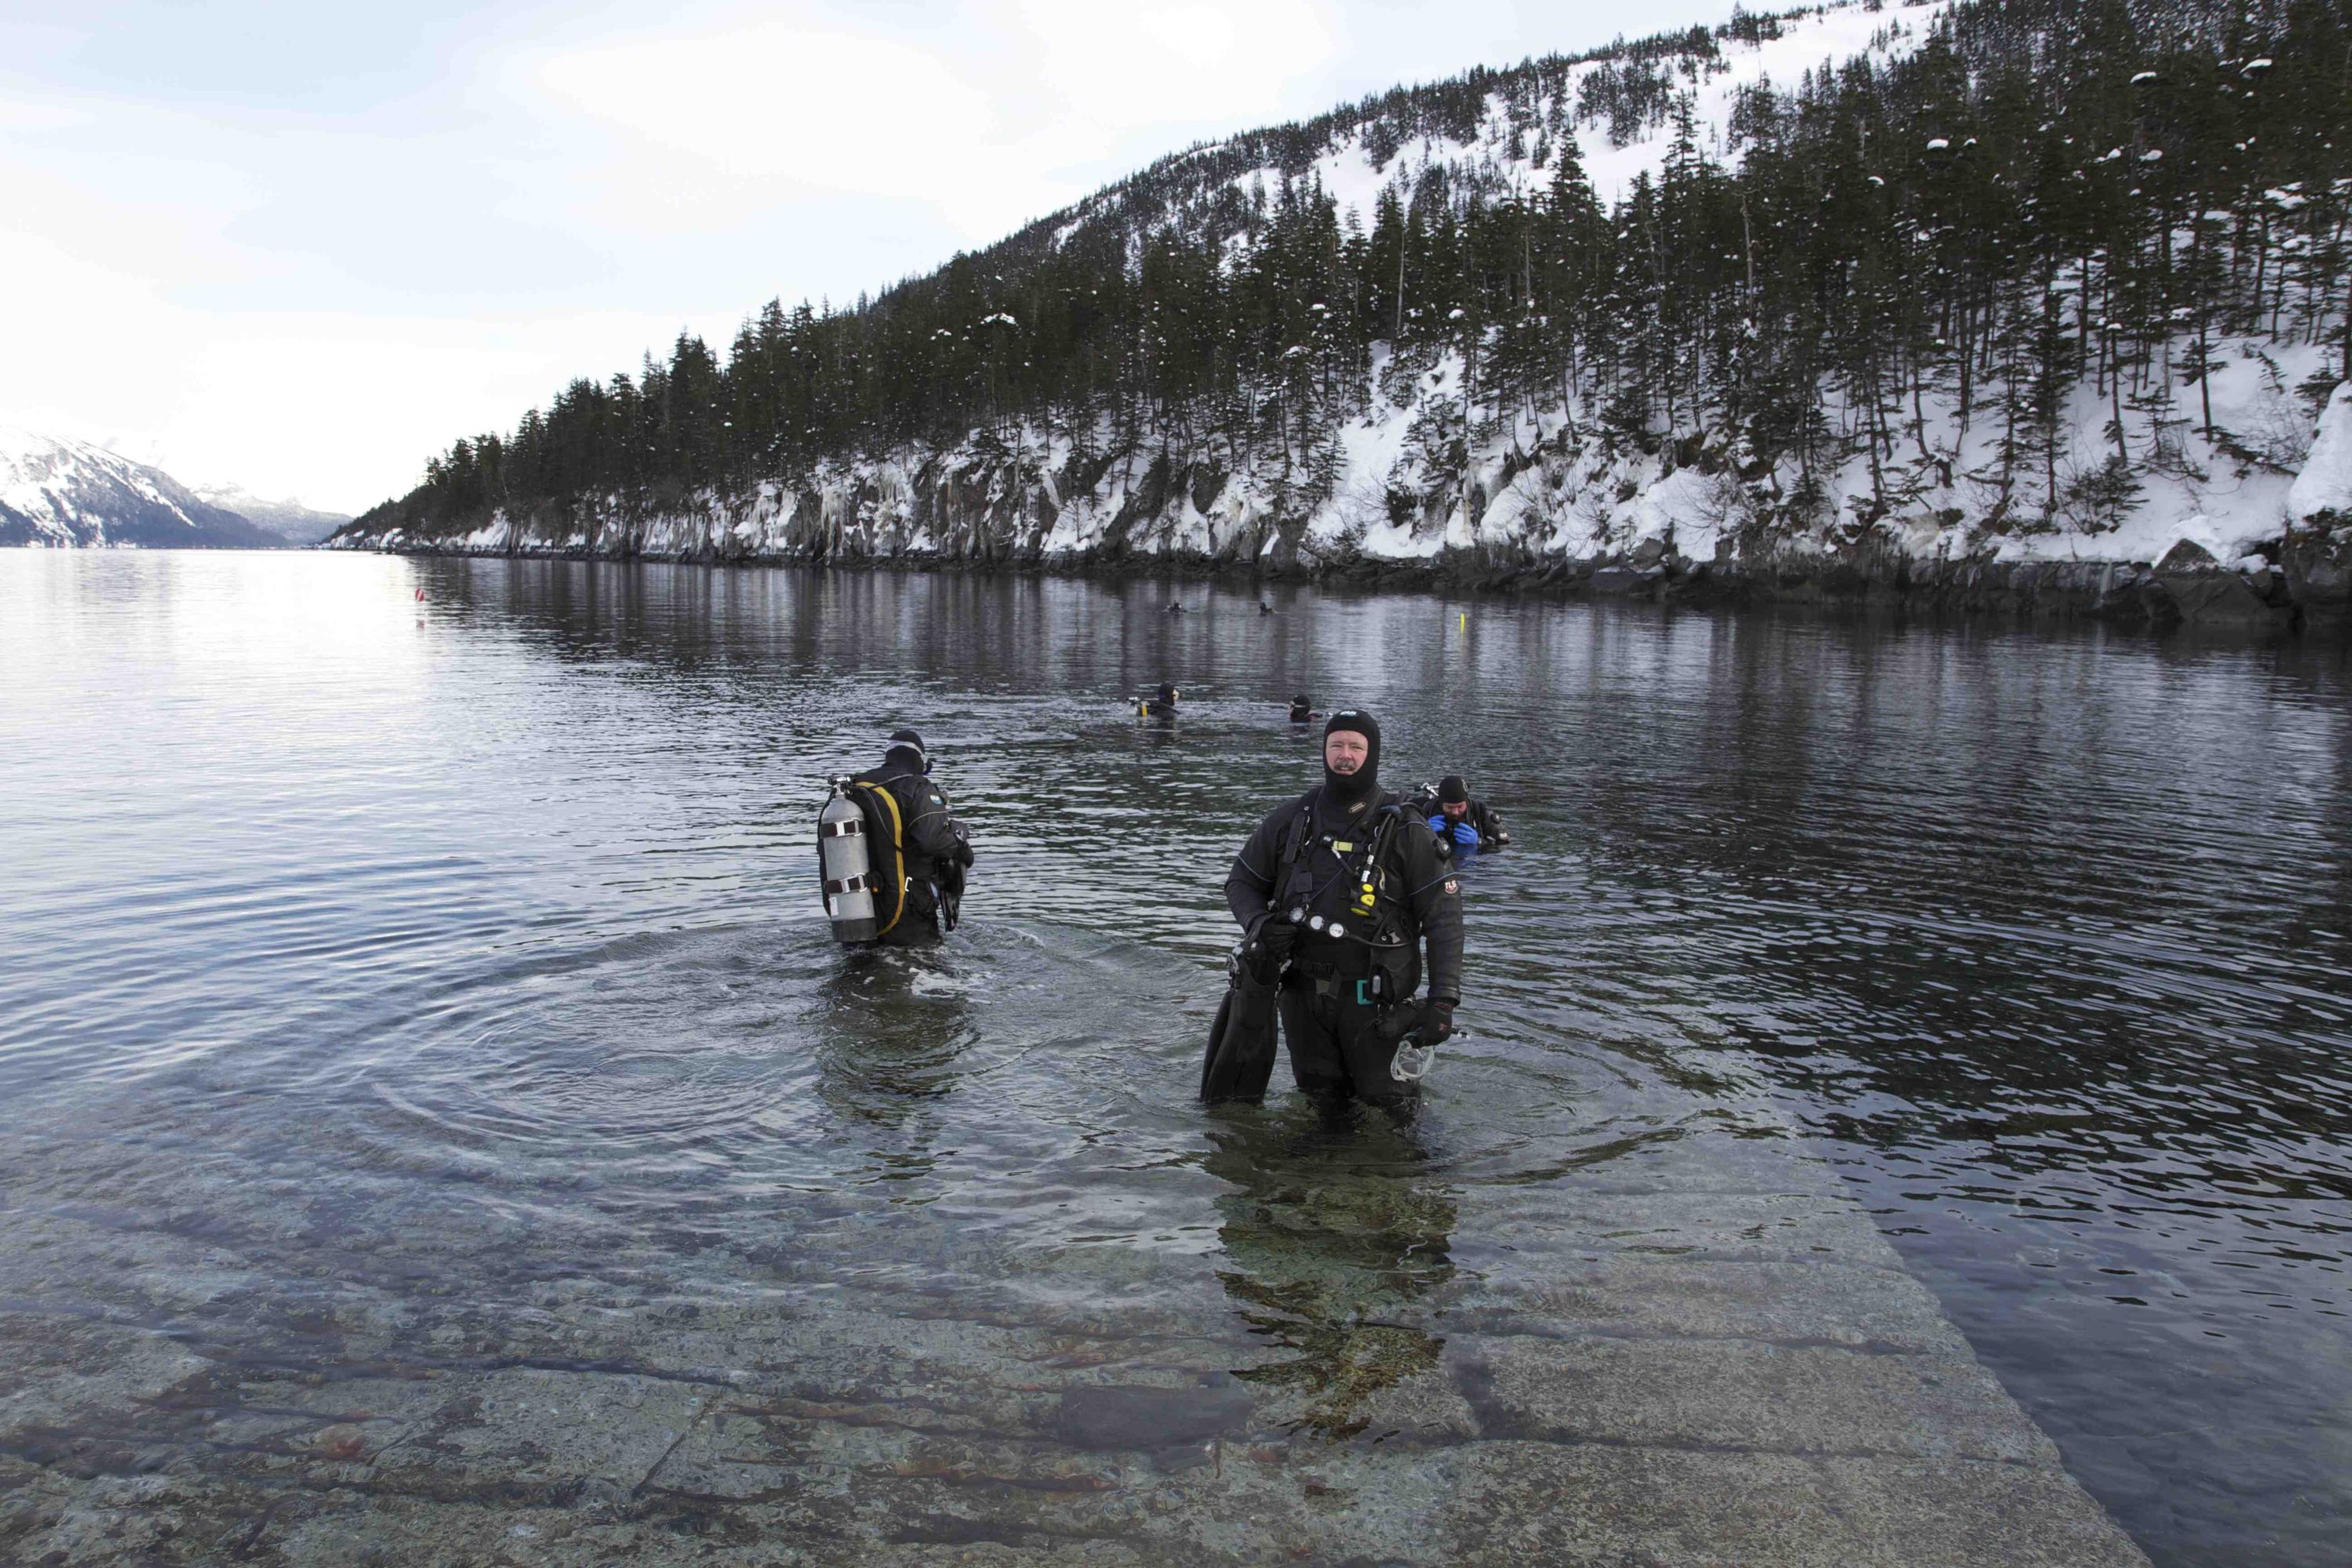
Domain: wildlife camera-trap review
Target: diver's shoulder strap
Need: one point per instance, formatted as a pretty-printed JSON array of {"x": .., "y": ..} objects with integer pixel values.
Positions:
[
  {"x": 1297, "y": 835},
  {"x": 1391, "y": 813}
]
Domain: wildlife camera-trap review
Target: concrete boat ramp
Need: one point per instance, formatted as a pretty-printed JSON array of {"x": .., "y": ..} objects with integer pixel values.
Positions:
[{"x": 1700, "y": 1351}]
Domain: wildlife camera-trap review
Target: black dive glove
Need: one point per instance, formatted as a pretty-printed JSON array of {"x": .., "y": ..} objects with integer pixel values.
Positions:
[
  {"x": 1437, "y": 1020},
  {"x": 1276, "y": 938}
]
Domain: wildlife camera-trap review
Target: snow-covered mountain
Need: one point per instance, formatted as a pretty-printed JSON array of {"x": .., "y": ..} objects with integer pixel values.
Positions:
[
  {"x": 1897, "y": 292},
  {"x": 64, "y": 494},
  {"x": 288, "y": 518}
]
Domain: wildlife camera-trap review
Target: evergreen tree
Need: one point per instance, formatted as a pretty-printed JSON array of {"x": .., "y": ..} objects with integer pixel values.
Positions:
[{"x": 2045, "y": 203}]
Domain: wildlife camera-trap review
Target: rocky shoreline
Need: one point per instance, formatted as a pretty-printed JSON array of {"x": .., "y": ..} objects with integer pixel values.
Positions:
[
  {"x": 2303, "y": 585},
  {"x": 1543, "y": 524}
]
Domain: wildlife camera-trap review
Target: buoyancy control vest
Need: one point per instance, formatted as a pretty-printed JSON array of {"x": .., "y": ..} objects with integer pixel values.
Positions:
[{"x": 1355, "y": 918}]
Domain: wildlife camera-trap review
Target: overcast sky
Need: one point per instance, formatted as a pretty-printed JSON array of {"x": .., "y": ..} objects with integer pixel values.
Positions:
[{"x": 301, "y": 246}]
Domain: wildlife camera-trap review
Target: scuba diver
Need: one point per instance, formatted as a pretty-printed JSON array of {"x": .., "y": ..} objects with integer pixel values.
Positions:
[
  {"x": 1161, "y": 704},
  {"x": 1302, "y": 709},
  {"x": 1336, "y": 893},
  {"x": 892, "y": 854},
  {"x": 1462, "y": 826}
]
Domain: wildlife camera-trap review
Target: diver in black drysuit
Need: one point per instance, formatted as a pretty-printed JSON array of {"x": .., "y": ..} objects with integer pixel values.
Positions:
[
  {"x": 1161, "y": 704},
  {"x": 1342, "y": 995},
  {"x": 936, "y": 847}
]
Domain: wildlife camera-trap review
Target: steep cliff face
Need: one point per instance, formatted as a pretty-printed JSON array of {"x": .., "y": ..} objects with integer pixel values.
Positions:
[
  {"x": 963, "y": 506},
  {"x": 2236, "y": 531},
  {"x": 1550, "y": 521}
]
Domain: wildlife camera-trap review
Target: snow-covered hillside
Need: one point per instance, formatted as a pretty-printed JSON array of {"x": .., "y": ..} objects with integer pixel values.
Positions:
[
  {"x": 1758, "y": 304},
  {"x": 65, "y": 493},
  {"x": 1356, "y": 169},
  {"x": 1592, "y": 505}
]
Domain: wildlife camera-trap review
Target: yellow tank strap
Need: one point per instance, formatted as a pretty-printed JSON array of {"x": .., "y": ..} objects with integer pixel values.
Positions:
[{"x": 898, "y": 845}]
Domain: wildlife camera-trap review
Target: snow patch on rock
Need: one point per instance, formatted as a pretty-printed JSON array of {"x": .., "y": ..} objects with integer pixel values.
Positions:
[{"x": 2326, "y": 483}]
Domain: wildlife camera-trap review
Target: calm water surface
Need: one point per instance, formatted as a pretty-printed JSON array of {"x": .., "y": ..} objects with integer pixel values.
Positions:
[{"x": 361, "y": 942}]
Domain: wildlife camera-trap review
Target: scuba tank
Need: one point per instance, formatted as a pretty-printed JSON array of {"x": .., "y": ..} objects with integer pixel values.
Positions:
[{"x": 846, "y": 867}]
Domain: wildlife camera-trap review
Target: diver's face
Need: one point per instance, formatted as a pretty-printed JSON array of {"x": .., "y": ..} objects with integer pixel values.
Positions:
[
  {"x": 1344, "y": 751},
  {"x": 1456, "y": 808}
]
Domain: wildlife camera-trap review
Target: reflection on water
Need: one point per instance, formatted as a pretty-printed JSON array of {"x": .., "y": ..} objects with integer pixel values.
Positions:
[
  {"x": 444, "y": 982},
  {"x": 887, "y": 1029},
  {"x": 1333, "y": 1234}
]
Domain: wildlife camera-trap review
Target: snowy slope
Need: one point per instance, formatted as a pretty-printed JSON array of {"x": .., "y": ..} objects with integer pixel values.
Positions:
[
  {"x": 1532, "y": 489},
  {"x": 1831, "y": 38},
  {"x": 65, "y": 493},
  {"x": 2325, "y": 485},
  {"x": 1557, "y": 508}
]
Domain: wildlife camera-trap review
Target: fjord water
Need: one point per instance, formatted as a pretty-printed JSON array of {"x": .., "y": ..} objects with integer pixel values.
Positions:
[{"x": 458, "y": 957}]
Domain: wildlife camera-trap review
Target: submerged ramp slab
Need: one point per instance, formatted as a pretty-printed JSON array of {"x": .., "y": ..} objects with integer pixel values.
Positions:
[{"x": 1699, "y": 1351}]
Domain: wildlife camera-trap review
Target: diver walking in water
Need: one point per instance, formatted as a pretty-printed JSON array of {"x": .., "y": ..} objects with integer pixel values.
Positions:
[
  {"x": 1161, "y": 704},
  {"x": 1340, "y": 890},
  {"x": 892, "y": 853}
]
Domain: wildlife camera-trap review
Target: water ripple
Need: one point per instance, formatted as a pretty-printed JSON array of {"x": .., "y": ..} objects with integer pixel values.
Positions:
[{"x": 467, "y": 952}]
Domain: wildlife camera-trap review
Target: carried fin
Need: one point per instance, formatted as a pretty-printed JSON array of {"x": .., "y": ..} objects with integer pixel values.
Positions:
[{"x": 1240, "y": 1056}]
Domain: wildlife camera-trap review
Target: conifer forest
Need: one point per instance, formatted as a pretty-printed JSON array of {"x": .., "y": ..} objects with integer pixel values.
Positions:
[{"x": 1946, "y": 278}]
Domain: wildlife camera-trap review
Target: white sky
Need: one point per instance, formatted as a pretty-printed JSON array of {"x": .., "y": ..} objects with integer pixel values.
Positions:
[{"x": 301, "y": 246}]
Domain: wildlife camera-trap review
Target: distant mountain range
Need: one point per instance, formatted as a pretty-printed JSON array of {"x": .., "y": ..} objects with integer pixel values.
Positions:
[
  {"x": 289, "y": 519},
  {"x": 69, "y": 494}
]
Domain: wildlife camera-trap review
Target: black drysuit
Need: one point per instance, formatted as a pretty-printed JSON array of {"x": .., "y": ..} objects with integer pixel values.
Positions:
[
  {"x": 935, "y": 849},
  {"x": 1335, "y": 993}
]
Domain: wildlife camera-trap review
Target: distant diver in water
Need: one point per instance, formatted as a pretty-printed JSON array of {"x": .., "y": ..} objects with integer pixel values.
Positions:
[
  {"x": 1264, "y": 608},
  {"x": 1302, "y": 709},
  {"x": 1175, "y": 608},
  {"x": 1336, "y": 893},
  {"x": 891, "y": 852},
  {"x": 1464, "y": 826},
  {"x": 1161, "y": 704}
]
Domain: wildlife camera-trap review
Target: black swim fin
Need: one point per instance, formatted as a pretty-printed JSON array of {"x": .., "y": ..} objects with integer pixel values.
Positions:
[{"x": 1240, "y": 1057}]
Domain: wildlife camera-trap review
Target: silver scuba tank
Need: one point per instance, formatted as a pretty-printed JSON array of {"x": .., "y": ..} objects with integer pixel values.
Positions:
[{"x": 847, "y": 866}]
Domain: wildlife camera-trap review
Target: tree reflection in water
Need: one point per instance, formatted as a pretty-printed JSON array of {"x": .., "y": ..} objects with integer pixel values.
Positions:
[{"x": 1335, "y": 1230}]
